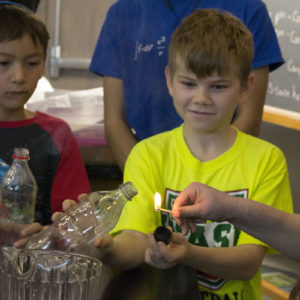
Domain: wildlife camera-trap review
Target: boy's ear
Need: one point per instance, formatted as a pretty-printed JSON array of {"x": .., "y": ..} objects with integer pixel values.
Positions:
[
  {"x": 169, "y": 80},
  {"x": 43, "y": 68},
  {"x": 247, "y": 86}
]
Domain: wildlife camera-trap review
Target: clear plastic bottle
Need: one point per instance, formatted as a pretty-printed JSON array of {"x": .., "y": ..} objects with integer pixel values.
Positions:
[
  {"x": 80, "y": 225},
  {"x": 18, "y": 190}
]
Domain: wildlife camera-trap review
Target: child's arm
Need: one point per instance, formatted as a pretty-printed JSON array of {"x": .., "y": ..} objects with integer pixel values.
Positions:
[
  {"x": 125, "y": 251},
  {"x": 121, "y": 141},
  {"x": 250, "y": 111},
  {"x": 236, "y": 263}
]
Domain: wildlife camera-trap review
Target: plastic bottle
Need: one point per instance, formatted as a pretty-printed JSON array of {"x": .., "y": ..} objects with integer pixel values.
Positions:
[
  {"x": 79, "y": 226},
  {"x": 18, "y": 190}
]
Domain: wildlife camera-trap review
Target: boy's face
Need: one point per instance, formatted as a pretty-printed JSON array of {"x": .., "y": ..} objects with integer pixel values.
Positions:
[
  {"x": 207, "y": 104},
  {"x": 22, "y": 64}
]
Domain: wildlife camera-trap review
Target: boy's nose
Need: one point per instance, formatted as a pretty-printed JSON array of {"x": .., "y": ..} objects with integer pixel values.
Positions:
[
  {"x": 18, "y": 73},
  {"x": 201, "y": 97}
]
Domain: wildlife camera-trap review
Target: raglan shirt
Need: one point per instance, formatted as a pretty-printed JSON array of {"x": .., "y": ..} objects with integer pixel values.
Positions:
[
  {"x": 133, "y": 47},
  {"x": 55, "y": 160},
  {"x": 251, "y": 168}
]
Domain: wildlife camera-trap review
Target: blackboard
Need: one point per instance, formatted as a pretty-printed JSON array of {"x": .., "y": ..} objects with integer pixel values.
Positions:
[{"x": 284, "y": 83}]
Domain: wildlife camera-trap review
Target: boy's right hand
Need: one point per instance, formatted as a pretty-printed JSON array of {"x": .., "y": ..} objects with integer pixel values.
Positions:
[
  {"x": 103, "y": 246},
  {"x": 162, "y": 256}
]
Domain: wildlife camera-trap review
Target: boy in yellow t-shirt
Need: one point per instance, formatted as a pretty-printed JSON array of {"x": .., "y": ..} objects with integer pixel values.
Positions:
[{"x": 208, "y": 74}]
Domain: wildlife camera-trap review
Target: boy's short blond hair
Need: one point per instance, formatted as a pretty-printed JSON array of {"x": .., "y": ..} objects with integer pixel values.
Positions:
[
  {"x": 16, "y": 21},
  {"x": 209, "y": 40}
]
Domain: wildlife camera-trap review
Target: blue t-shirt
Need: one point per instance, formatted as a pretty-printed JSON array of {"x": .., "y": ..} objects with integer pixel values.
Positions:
[{"x": 133, "y": 46}]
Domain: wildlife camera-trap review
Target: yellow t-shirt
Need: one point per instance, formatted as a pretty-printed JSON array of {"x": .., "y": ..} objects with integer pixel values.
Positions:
[{"x": 251, "y": 168}]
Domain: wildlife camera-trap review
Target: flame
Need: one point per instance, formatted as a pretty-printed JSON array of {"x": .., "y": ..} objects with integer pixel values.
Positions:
[{"x": 157, "y": 201}]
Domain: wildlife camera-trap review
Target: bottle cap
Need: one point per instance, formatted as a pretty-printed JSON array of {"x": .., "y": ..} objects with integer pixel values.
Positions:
[
  {"x": 129, "y": 189},
  {"x": 21, "y": 153},
  {"x": 162, "y": 234}
]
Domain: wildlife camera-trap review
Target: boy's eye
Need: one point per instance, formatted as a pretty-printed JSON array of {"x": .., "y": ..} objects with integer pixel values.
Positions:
[
  {"x": 33, "y": 63},
  {"x": 219, "y": 86},
  {"x": 188, "y": 83},
  {"x": 4, "y": 62}
]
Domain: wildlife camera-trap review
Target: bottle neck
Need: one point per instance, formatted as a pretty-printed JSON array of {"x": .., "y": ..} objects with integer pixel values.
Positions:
[
  {"x": 21, "y": 154},
  {"x": 20, "y": 160},
  {"x": 25, "y": 158},
  {"x": 128, "y": 190},
  {"x": 20, "y": 163},
  {"x": 20, "y": 157}
]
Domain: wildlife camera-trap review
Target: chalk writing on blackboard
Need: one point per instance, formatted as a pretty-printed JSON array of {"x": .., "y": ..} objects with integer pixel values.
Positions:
[{"x": 284, "y": 83}]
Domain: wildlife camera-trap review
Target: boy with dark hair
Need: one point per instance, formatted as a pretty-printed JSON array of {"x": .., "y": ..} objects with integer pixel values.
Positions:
[{"x": 55, "y": 160}]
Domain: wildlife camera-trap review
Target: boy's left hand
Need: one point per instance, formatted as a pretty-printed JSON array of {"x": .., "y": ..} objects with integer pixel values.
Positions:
[
  {"x": 164, "y": 256},
  {"x": 26, "y": 233},
  {"x": 68, "y": 203}
]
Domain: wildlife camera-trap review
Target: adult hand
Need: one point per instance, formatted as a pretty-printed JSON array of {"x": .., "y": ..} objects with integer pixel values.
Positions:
[
  {"x": 198, "y": 203},
  {"x": 163, "y": 256}
]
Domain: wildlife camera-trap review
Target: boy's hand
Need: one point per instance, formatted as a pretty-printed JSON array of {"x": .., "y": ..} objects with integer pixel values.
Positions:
[
  {"x": 103, "y": 246},
  {"x": 68, "y": 203},
  {"x": 164, "y": 256},
  {"x": 26, "y": 232}
]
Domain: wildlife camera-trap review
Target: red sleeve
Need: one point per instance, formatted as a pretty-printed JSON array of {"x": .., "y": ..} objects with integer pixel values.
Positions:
[{"x": 71, "y": 178}]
